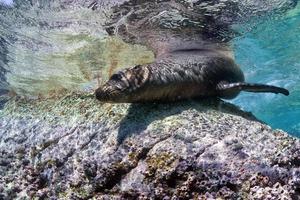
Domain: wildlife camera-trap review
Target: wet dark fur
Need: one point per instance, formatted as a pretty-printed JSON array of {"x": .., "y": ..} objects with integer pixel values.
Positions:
[{"x": 180, "y": 75}]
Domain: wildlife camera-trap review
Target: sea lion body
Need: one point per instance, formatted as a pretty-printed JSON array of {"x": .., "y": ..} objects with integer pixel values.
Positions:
[{"x": 179, "y": 75}]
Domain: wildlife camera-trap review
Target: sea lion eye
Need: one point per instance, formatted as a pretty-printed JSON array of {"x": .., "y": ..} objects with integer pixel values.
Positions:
[
  {"x": 116, "y": 77},
  {"x": 137, "y": 67}
]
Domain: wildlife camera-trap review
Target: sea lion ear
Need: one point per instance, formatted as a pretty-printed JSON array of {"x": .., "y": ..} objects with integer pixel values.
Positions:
[{"x": 227, "y": 90}]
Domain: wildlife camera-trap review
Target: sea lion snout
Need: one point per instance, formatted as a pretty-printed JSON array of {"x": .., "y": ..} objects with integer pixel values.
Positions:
[
  {"x": 116, "y": 88},
  {"x": 110, "y": 91},
  {"x": 102, "y": 95}
]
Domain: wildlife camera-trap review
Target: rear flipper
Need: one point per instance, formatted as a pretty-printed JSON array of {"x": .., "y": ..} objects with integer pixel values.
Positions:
[{"x": 230, "y": 90}]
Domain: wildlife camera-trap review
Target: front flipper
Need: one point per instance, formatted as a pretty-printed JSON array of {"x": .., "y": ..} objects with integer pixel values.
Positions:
[{"x": 230, "y": 90}]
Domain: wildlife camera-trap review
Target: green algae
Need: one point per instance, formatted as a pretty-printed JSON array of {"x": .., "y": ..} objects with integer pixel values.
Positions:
[
  {"x": 161, "y": 162},
  {"x": 167, "y": 124}
]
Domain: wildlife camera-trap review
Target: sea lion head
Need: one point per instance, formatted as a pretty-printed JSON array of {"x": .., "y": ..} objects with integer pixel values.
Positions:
[
  {"x": 124, "y": 85},
  {"x": 113, "y": 90}
]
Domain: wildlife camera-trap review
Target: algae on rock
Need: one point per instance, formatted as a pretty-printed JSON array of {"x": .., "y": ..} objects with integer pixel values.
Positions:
[{"x": 193, "y": 149}]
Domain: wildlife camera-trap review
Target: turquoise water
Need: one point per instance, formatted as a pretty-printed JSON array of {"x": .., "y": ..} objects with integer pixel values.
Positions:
[{"x": 270, "y": 53}]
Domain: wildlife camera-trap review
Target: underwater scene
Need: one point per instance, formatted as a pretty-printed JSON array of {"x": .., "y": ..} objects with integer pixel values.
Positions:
[
  {"x": 42, "y": 53},
  {"x": 140, "y": 99}
]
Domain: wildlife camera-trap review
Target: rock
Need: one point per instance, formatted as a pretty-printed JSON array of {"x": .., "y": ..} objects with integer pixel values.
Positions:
[
  {"x": 74, "y": 147},
  {"x": 77, "y": 148},
  {"x": 3, "y": 62}
]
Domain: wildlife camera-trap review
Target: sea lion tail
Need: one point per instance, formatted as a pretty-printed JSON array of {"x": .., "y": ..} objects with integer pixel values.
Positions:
[{"x": 229, "y": 88}]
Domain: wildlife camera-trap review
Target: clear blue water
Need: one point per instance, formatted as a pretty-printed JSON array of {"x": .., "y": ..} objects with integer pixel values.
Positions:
[{"x": 270, "y": 53}]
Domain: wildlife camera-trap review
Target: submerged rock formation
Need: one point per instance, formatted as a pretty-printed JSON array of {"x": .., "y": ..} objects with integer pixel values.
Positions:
[
  {"x": 76, "y": 148},
  {"x": 3, "y": 83}
]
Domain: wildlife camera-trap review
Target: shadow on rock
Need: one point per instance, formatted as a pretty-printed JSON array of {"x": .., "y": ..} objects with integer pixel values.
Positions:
[
  {"x": 3, "y": 71},
  {"x": 140, "y": 116}
]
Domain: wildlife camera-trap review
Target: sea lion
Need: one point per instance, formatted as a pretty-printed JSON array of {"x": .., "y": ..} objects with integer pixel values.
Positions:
[
  {"x": 190, "y": 40},
  {"x": 180, "y": 75}
]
